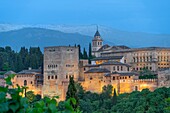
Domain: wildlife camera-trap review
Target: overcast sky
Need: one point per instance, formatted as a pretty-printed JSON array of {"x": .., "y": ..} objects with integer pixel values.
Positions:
[{"x": 131, "y": 15}]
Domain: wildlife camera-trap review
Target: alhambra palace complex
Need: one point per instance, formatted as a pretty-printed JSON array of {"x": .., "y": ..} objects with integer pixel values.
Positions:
[{"x": 118, "y": 66}]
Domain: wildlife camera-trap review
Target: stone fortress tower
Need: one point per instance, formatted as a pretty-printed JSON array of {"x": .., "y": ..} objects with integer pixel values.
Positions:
[
  {"x": 59, "y": 63},
  {"x": 97, "y": 43}
]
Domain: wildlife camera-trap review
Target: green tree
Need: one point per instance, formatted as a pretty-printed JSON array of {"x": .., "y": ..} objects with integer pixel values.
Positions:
[
  {"x": 30, "y": 96},
  {"x": 72, "y": 93},
  {"x": 90, "y": 54},
  {"x": 6, "y": 66},
  {"x": 80, "y": 53},
  {"x": 85, "y": 56},
  {"x": 114, "y": 98},
  {"x": 107, "y": 91}
]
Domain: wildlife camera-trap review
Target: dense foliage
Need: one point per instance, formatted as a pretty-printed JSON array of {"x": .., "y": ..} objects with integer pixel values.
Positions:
[
  {"x": 136, "y": 102},
  {"x": 17, "y": 61}
]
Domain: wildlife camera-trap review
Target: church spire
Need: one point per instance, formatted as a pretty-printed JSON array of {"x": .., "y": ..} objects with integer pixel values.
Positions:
[{"x": 97, "y": 32}]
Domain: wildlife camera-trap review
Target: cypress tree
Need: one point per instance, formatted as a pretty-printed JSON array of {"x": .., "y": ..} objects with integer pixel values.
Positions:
[
  {"x": 85, "y": 56},
  {"x": 90, "y": 54},
  {"x": 80, "y": 53},
  {"x": 114, "y": 98},
  {"x": 72, "y": 93}
]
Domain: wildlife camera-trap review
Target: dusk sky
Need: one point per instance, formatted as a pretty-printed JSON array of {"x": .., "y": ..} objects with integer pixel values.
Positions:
[{"x": 151, "y": 16}]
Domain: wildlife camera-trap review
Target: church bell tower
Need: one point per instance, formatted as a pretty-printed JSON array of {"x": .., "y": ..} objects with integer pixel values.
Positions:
[{"x": 97, "y": 43}]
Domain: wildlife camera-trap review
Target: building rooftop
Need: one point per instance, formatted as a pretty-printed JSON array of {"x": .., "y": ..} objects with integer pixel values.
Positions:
[
  {"x": 91, "y": 65},
  {"x": 115, "y": 63},
  {"x": 125, "y": 73},
  {"x": 108, "y": 58},
  {"x": 136, "y": 49},
  {"x": 31, "y": 71},
  {"x": 9, "y": 72},
  {"x": 98, "y": 70},
  {"x": 109, "y": 48},
  {"x": 97, "y": 33}
]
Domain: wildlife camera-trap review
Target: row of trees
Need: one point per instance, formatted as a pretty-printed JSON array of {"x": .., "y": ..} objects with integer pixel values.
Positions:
[
  {"x": 84, "y": 55},
  {"x": 17, "y": 61}
]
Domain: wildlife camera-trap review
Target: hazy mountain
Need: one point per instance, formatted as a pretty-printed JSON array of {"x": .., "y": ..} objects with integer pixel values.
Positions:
[
  {"x": 41, "y": 37},
  {"x": 110, "y": 35}
]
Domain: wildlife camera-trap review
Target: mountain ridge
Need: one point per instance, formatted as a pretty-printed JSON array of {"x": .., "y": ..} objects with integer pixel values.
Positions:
[{"x": 110, "y": 36}]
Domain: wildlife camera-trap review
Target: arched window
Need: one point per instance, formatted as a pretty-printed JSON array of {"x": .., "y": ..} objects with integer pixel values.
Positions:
[
  {"x": 56, "y": 77},
  {"x": 31, "y": 82},
  {"x": 25, "y": 82},
  {"x": 48, "y": 77},
  {"x": 52, "y": 77},
  {"x": 136, "y": 88},
  {"x": 66, "y": 76}
]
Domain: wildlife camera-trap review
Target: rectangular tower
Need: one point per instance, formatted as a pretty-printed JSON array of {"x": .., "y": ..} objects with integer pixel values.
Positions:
[{"x": 59, "y": 63}]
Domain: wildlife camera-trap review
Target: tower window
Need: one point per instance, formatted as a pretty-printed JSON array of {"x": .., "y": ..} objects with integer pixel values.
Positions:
[
  {"x": 114, "y": 68},
  {"x": 117, "y": 68},
  {"x": 121, "y": 68}
]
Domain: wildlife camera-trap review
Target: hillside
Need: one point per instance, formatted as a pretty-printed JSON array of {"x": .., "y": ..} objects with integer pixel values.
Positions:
[{"x": 41, "y": 37}]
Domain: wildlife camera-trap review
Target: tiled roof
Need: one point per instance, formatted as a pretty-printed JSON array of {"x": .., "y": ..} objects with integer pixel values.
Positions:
[
  {"x": 97, "y": 33},
  {"x": 90, "y": 65},
  {"x": 125, "y": 73},
  {"x": 10, "y": 72},
  {"x": 115, "y": 63},
  {"x": 108, "y": 58},
  {"x": 98, "y": 70},
  {"x": 111, "y": 48},
  {"x": 32, "y": 71}
]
